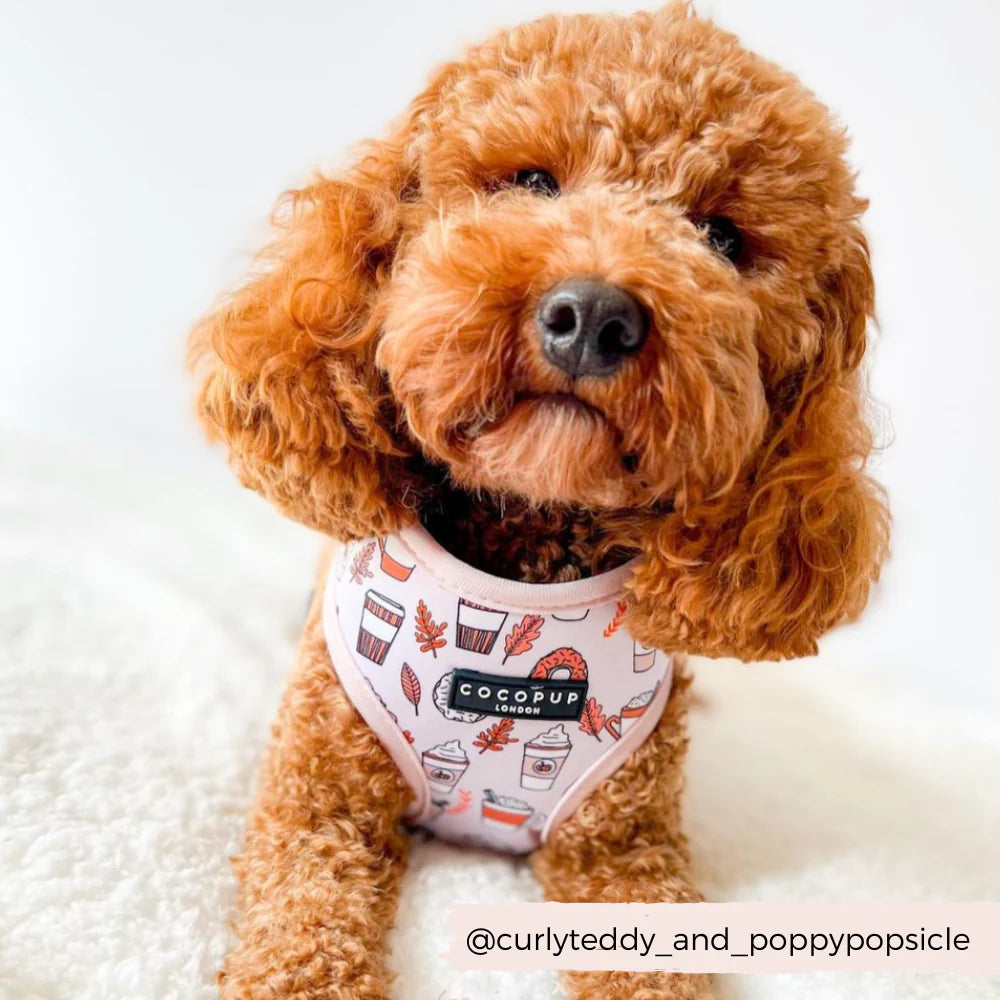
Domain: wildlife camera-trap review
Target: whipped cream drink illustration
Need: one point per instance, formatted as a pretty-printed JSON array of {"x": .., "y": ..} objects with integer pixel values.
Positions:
[
  {"x": 478, "y": 626},
  {"x": 503, "y": 812},
  {"x": 381, "y": 618},
  {"x": 619, "y": 725},
  {"x": 444, "y": 765},
  {"x": 643, "y": 657},
  {"x": 544, "y": 757}
]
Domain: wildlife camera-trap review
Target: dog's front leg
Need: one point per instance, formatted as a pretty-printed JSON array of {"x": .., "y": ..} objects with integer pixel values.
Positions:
[
  {"x": 324, "y": 855},
  {"x": 624, "y": 845}
]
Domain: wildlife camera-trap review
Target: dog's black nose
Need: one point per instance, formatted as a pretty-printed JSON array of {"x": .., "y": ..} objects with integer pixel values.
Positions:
[{"x": 589, "y": 327}]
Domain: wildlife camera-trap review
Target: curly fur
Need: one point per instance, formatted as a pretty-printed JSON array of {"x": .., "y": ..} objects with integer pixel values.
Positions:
[{"x": 383, "y": 365}]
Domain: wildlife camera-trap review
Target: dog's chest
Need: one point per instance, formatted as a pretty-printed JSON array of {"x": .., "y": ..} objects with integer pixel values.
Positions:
[{"x": 502, "y": 703}]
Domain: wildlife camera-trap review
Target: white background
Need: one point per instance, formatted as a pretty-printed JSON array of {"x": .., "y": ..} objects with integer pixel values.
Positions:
[{"x": 143, "y": 146}]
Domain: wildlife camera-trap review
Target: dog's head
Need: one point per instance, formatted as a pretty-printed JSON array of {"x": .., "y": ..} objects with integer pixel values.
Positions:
[{"x": 609, "y": 262}]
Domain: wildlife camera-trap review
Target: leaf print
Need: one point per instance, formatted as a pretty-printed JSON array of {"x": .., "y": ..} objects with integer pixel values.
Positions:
[
  {"x": 496, "y": 737},
  {"x": 411, "y": 686},
  {"x": 427, "y": 633},
  {"x": 522, "y": 635},
  {"x": 616, "y": 622},
  {"x": 361, "y": 564},
  {"x": 592, "y": 719},
  {"x": 463, "y": 803}
]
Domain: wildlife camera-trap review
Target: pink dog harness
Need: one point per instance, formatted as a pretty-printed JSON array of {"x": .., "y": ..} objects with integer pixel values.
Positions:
[{"x": 502, "y": 703}]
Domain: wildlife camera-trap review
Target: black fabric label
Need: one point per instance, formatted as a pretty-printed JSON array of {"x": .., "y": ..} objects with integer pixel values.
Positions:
[{"x": 491, "y": 694}]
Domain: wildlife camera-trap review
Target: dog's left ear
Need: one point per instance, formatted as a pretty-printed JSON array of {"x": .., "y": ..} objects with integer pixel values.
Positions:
[
  {"x": 285, "y": 365},
  {"x": 764, "y": 571}
]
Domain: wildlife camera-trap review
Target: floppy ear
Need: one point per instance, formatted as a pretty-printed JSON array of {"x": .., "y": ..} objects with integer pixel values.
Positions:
[
  {"x": 284, "y": 365},
  {"x": 764, "y": 571}
]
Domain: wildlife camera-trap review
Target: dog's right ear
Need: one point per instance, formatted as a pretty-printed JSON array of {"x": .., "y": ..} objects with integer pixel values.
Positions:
[{"x": 285, "y": 365}]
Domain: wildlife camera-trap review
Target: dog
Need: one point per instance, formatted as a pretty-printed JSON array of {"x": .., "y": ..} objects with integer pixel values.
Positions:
[{"x": 567, "y": 366}]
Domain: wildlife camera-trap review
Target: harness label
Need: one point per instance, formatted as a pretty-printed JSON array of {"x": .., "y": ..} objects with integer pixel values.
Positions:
[{"x": 491, "y": 694}]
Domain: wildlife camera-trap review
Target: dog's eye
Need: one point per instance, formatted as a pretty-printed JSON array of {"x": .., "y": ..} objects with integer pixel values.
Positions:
[
  {"x": 726, "y": 239},
  {"x": 537, "y": 181}
]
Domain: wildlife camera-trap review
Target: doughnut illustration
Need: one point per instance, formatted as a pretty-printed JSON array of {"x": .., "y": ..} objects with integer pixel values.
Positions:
[
  {"x": 440, "y": 695},
  {"x": 564, "y": 663}
]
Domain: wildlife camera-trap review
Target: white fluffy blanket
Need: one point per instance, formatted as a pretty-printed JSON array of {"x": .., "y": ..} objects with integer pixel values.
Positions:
[{"x": 146, "y": 622}]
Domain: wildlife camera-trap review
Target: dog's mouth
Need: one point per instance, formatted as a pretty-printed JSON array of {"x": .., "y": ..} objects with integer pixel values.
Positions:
[
  {"x": 565, "y": 403},
  {"x": 551, "y": 446},
  {"x": 547, "y": 406},
  {"x": 593, "y": 420}
]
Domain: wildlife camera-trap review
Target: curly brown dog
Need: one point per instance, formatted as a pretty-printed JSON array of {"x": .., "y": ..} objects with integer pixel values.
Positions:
[{"x": 599, "y": 298}]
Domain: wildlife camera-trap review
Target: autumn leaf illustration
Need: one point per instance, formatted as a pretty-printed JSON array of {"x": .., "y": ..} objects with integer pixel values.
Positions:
[
  {"x": 496, "y": 737},
  {"x": 408, "y": 736},
  {"x": 411, "y": 686},
  {"x": 616, "y": 622},
  {"x": 592, "y": 719},
  {"x": 427, "y": 633},
  {"x": 464, "y": 800},
  {"x": 361, "y": 564},
  {"x": 522, "y": 636}
]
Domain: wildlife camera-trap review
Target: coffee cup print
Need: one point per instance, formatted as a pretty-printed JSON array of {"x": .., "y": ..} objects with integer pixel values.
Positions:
[
  {"x": 544, "y": 756},
  {"x": 381, "y": 618},
  {"x": 478, "y": 627},
  {"x": 444, "y": 765},
  {"x": 619, "y": 725},
  {"x": 390, "y": 561},
  {"x": 503, "y": 812},
  {"x": 643, "y": 657}
]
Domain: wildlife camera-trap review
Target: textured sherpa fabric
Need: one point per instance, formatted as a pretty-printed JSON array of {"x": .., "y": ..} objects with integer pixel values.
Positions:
[{"x": 147, "y": 619}]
